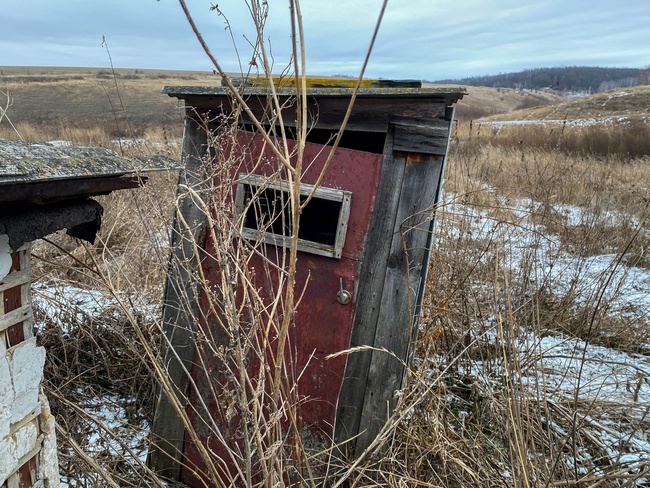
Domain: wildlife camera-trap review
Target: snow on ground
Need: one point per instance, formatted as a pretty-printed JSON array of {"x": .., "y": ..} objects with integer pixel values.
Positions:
[
  {"x": 64, "y": 304},
  {"x": 610, "y": 388},
  {"x": 614, "y": 383},
  {"x": 585, "y": 122},
  {"x": 110, "y": 432},
  {"x": 108, "y": 429},
  {"x": 528, "y": 246}
]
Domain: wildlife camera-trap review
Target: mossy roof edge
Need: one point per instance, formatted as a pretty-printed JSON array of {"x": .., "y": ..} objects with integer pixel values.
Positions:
[
  {"x": 23, "y": 162},
  {"x": 454, "y": 93}
]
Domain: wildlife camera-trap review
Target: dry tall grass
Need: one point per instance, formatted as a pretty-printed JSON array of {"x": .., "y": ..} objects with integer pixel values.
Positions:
[{"x": 494, "y": 418}]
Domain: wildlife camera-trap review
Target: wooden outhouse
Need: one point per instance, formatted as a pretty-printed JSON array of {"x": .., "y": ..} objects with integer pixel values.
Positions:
[
  {"x": 364, "y": 252},
  {"x": 43, "y": 189}
]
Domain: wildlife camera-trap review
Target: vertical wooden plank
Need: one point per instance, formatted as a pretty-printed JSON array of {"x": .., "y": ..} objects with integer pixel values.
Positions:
[
  {"x": 371, "y": 282},
  {"x": 449, "y": 120},
  {"x": 181, "y": 305},
  {"x": 400, "y": 291},
  {"x": 12, "y": 298}
]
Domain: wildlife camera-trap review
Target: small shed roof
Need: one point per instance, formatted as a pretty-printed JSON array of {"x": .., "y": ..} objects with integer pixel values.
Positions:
[
  {"x": 39, "y": 171},
  {"x": 22, "y": 161},
  {"x": 333, "y": 91},
  {"x": 44, "y": 187}
]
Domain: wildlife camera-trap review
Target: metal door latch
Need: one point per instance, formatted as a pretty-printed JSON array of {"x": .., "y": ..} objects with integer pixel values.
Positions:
[{"x": 343, "y": 296}]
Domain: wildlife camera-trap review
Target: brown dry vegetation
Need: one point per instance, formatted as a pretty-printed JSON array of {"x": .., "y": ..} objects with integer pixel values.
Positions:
[
  {"x": 623, "y": 103},
  {"x": 478, "y": 427},
  {"x": 468, "y": 425},
  {"x": 484, "y": 101},
  {"x": 91, "y": 106}
]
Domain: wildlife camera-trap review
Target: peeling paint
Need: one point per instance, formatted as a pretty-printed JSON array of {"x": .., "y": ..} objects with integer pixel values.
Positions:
[
  {"x": 15, "y": 447},
  {"x": 26, "y": 368},
  {"x": 49, "y": 463},
  {"x": 6, "y": 397}
]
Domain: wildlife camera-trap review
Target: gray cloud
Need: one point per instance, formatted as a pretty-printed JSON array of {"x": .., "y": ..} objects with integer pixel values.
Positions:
[{"x": 418, "y": 39}]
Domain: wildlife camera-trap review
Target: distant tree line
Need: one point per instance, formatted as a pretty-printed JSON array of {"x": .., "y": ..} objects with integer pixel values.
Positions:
[{"x": 587, "y": 79}]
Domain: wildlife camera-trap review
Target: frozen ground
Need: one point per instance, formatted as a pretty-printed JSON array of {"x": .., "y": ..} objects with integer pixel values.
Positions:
[
  {"x": 110, "y": 434},
  {"x": 609, "y": 389},
  {"x": 523, "y": 245},
  {"x": 586, "y": 122}
]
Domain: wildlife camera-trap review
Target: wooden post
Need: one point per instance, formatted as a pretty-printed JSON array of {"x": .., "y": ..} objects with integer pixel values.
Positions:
[{"x": 181, "y": 305}]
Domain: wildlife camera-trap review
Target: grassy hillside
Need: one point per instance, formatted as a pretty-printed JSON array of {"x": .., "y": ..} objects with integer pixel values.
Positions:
[
  {"x": 78, "y": 97},
  {"x": 484, "y": 101},
  {"x": 628, "y": 103},
  {"x": 58, "y": 98}
]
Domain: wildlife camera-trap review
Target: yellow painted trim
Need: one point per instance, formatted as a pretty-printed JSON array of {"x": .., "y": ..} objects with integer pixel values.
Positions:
[{"x": 316, "y": 82}]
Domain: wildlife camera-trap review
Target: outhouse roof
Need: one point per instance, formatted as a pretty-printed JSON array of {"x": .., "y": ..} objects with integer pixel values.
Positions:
[
  {"x": 371, "y": 91},
  {"x": 378, "y": 102}
]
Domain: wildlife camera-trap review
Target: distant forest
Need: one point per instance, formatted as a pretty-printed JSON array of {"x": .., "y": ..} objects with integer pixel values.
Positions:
[{"x": 584, "y": 79}]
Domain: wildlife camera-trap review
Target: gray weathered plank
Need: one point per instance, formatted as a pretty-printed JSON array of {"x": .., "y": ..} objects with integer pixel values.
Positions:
[
  {"x": 181, "y": 307},
  {"x": 400, "y": 290},
  {"x": 327, "y": 112},
  {"x": 449, "y": 119},
  {"x": 421, "y": 139},
  {"x": 371, "y": 281}
]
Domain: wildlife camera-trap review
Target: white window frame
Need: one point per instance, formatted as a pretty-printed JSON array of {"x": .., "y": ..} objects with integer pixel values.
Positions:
[{"x": 332, "y": 194}]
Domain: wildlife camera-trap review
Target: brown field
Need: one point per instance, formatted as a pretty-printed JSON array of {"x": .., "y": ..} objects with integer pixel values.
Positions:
[
  {"x": 484, "y": 101},
  {"x": 63, "y": 100}
]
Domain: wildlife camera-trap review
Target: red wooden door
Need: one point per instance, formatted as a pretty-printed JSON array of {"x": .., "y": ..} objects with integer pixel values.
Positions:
[{"x": 323, "y": 320}]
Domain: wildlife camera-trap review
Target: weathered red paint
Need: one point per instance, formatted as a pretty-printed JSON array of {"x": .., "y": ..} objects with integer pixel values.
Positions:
[{"x": 322, "y": 325}]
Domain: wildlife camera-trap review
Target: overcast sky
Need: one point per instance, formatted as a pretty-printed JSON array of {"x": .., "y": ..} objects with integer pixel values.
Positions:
[{"x": 422, "y": 39}]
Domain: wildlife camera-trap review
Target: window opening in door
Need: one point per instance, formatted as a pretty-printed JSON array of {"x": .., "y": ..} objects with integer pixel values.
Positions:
[{"x": 265, "y": 206}]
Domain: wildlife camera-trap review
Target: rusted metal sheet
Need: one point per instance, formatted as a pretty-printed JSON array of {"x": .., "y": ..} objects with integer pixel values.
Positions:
[{"x": 322, "y": 324}]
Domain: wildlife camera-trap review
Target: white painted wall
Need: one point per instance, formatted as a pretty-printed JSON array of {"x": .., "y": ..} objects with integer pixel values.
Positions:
[{"x": 27, "y": 427}]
